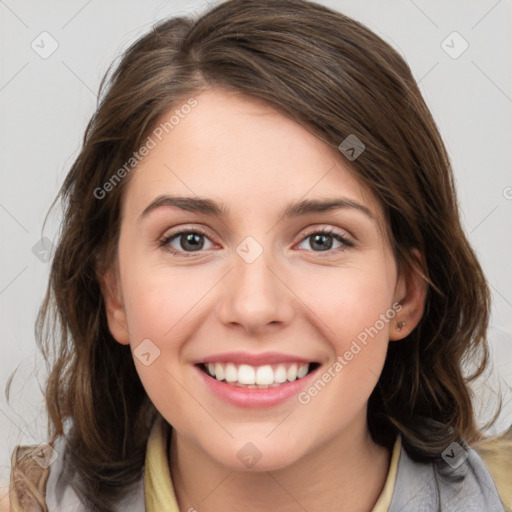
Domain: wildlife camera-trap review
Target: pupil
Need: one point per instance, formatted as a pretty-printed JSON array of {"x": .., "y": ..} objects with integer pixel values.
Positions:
[
  {"x": 321, "y": 241},
  {"x": 194, "y": 241}
]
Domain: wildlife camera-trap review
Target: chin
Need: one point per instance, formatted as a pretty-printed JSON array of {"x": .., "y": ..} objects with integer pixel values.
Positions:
[{"x": 256, "y": 455}]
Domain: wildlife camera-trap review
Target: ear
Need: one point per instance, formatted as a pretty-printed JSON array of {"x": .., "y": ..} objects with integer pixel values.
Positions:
[
  {"x": 111, "y": 290},
  {"x": 410, "y": 293}
]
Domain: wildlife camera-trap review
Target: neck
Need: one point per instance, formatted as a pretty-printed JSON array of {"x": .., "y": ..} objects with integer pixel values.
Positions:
[{"x": 348, "y": 471}]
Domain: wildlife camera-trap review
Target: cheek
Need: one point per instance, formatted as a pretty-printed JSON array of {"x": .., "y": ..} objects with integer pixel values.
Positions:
[
  {"x": 349, "y": 301},
  {"x": 160, "y": 302},
  {"x": 162, "y": 306},
  {"x": 355, "y": 309}
]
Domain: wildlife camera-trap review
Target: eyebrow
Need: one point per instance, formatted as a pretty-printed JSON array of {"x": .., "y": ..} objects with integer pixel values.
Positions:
[
  {"x": 211, "y": 207},
  {"x": 323, "y": 205}
]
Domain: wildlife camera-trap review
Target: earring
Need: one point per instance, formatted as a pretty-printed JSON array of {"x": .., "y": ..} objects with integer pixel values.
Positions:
[{"x": 399, "y": 325}]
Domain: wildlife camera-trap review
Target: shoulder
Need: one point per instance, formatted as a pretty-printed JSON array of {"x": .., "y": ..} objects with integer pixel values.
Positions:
[
  {"x": 29, "y": 475},
  {"x": 496, "y": 452},
  {"x": 39, "y": 482},
  {"x": 459, "y": 481}
]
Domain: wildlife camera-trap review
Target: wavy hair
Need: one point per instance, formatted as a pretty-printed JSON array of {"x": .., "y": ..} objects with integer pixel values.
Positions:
[{"x": 335, "y": 77}]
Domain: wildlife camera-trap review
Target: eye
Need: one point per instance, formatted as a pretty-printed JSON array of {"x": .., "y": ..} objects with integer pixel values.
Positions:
[
  {"x": 186, "y": 242},
  {"x": 323, "y": 240},
  {"x": 183, "y": 242}
]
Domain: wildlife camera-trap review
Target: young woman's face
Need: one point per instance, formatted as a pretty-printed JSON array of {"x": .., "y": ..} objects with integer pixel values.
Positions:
[{"x": 236, "y": 282}]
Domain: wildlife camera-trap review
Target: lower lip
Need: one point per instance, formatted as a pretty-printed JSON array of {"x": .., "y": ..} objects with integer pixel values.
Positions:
[{"x": 252, "y": 397}]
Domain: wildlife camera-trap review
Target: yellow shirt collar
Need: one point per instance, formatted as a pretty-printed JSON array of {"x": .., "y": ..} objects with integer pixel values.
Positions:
[
  {"x": 158, "y": 489},
  {"x": 386, "y": 494},
  {"x": 159, "y": 493}
]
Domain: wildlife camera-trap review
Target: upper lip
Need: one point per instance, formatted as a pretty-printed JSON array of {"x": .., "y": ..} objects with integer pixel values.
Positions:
[{"x": 253, "y": 359}]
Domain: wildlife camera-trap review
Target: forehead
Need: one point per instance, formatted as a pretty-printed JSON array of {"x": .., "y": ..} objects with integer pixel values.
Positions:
[{"x": 243, "y": 153}]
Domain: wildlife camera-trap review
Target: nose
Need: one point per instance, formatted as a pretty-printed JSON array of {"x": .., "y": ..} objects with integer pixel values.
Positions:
[{"x": 256, "y": 296}]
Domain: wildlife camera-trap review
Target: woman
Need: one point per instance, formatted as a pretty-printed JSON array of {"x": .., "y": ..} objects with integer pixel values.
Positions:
[{"x": 263, "y": 293}]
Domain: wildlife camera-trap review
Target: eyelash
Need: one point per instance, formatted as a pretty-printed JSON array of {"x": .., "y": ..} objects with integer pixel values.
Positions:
[{"x": 164, "y": 243}]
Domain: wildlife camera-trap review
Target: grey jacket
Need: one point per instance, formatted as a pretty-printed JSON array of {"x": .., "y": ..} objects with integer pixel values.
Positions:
[{"x": 420, "y": 487}]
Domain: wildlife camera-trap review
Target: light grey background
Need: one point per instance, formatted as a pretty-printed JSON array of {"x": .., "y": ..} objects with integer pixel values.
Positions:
[{"x": 46, "y": 102}]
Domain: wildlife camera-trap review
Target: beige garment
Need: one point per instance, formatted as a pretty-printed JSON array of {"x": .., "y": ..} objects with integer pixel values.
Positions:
[{"x": 159, "y": 490}]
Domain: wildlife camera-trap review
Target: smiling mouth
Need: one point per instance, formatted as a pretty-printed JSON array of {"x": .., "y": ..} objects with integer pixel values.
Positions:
[{"x": 257, "y": 377}]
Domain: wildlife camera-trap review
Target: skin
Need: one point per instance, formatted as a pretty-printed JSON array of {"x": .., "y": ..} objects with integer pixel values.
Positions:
[{"x": 294, "y": 298}]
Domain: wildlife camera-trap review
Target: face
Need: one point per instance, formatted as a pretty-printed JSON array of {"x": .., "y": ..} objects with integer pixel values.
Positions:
[{"x": 249, "y": 293}]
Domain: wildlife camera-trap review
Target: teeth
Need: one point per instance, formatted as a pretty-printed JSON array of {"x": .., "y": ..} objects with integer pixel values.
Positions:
[
  {"x": 246, "y": 374},
  {"x": 257, "y": 376},
  {"x": 280, "y": 374},
  {"x": 303, "y": 370},
  {"x": 219, "y": 371},
  {"x": 291, "y": 374},
  {"x": 264, "y": 375},
  {"x": 231, "y": 373}
]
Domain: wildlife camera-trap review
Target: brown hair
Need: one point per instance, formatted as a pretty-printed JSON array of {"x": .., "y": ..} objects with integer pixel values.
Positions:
[{"x": 335, "y": 77}]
